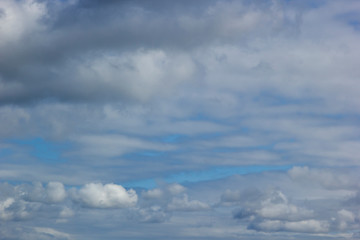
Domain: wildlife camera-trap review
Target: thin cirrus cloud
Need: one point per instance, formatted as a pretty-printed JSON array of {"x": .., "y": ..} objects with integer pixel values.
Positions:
[{"x": 188, "y": 120}]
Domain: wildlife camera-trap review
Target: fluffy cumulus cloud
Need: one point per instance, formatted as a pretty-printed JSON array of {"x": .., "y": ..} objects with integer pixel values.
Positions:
[
  {"x": 273, "y": 212},
  {"x": 159, "y": 204},
  {"x": 109, "y": 195},
  {"x": 199, "y": 119}
]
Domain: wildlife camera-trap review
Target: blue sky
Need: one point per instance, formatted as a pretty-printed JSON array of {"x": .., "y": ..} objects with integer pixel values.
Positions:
[{"x": 187, "y": 120}]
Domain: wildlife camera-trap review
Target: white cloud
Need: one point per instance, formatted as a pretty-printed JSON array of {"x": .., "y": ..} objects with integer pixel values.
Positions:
[
  {"x": 97, "y": 195},
  {"x": 55, "y": 192},
  {"x": 278, "y": 207},
  {"x": 53, "y": 233},
  {"x": 14, "y": 209},
  {"x": 20, "y": 18},
  {"x": 155, "y": 193},
  {"x": 140, "y": 75},
  {"x": 4, "y": 206},
  {"x": 175, "y": 188},
  {"x": 184, "y": 204},
  {"x": 347, "y": 220},
  {"x": 66, "y": 212}
]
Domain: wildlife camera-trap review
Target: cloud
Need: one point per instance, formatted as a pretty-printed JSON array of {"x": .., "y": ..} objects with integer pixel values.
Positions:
[
  {"x": 175, "y": 188},
  {"x": 237, "y": 197},
  {"x": 97, "y": 195},
  {"x": 53, "y": 193},
  {"x": 53, "y": 233},
  {"x": 4, "y": 214},
  {"x": 305, "y": 226},
  {"x": 17, "y": 19},
  {"x": 326, "y": 177},
  {"x": 12, "y": 209},
  {"x": 347, "y": 220},
  {"x": 274, "y": 205},
  {"x": 115, "y": 145},
  {"x": 184, "y": 204},
  {"x": 153, "y": 214},
  {"x": 124, "y": 56},
  {"x": 277, "y": 206},
  {"x": 171, "y": 197},
  {"x": 66, "y": 212},
  {"x": 238, "y": 83},
  {"x": 160, "y": 204}
]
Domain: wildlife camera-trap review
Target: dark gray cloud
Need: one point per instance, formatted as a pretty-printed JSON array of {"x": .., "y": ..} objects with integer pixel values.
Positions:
[{"x": 57, "y": 40}]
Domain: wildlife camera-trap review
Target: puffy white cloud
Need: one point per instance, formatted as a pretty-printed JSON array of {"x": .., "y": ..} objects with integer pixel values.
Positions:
[
  {"x": 184, "y": 204},
  {"x": 55, "y": 192},
  {"x": 273, "y": 206},
  {"x": 97, "y": 195},
  {"x": 278, "y": 207}
]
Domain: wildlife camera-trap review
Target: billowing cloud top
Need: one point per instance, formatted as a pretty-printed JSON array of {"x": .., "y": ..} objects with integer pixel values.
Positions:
[{"x": 105, "y": 196}]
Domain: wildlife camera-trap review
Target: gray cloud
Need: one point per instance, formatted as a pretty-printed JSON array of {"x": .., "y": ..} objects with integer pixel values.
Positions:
[
  {"x": 85, "y": 49},
  {"x": 327, "y": 178}
]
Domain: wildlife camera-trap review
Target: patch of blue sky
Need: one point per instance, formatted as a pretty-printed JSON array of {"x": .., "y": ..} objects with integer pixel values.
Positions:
[
  {"x": 269, "y": 147},
  {"x": 202, "y": 117},
  {"x": 144, "y": 155},
  {"x": 150, "y": 153},
  {"x": 351, "y": 18},
  {"x": 5, "y": 152},
  {"x": 221, "y": 172},
  {"x": 145, "y": 183},
  {"x": 173, "y": 138},
  {"x": 44, "y": 151},
  {"x": 355, "y": 24},
  {"x": 273, "y": 99},
  {"x": 214, "y": 173}
]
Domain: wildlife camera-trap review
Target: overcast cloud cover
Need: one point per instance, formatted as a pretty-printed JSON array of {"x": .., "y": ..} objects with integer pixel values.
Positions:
[{"x": 179, "y": 119}]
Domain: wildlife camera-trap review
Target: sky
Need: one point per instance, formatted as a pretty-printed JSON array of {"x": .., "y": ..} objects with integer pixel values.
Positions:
[{"x": 185, "y": 120}]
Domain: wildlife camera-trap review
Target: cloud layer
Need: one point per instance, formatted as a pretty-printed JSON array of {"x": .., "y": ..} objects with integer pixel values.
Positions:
[{"x": 188, "y": 120}]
